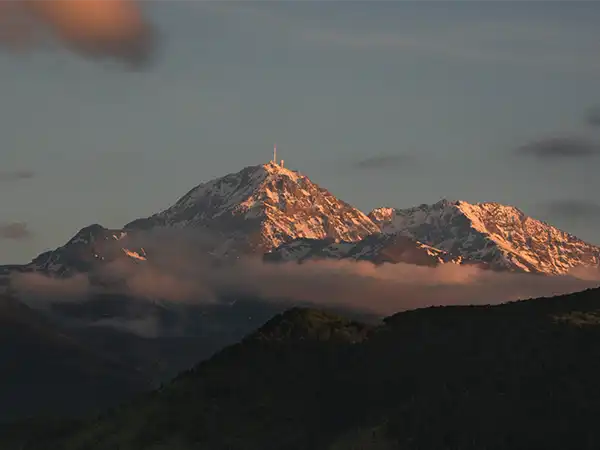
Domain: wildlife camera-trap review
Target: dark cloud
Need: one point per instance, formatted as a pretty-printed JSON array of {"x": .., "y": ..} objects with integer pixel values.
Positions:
[
  {"x": 574, "y": 209},
  {"x": 560, "y": 148},
  {"x": 593, "y": 116},
  {"x": 14, "y": 231},
  {"x": 16, "y": 175},
  {"x": 383, "y": 162},
  {"x": 95, "y": 28}
]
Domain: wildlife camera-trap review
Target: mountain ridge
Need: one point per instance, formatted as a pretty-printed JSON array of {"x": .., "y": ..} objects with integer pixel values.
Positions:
[
  {"x": 501, "y": 235},
  {"x": 270, "y": 210}
]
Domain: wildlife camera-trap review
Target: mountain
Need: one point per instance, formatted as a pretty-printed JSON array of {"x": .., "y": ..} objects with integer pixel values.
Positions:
[
  {"x": 47, "y": 371},
  {"x": 251, "y": 211},
  {"x": 502, "y": 236},
  {"x": 276, "y": 212},
  {"x": 260, "y": 208},
  {"x": 90, "y": 248},
  {"x": 376, "y": 248},
  {"x": 515, "y": 376}
]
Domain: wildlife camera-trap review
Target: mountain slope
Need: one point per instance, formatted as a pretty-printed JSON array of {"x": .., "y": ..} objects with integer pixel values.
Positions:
[
  {"x": 500, "y": 235},
  {"x": 46, "y": 371},
  {"x": 90, "y": 248},
  {"x": 514, "y": 376},
  {"x": 376, "y": 248},
  {"x": 261, "y": 207}
]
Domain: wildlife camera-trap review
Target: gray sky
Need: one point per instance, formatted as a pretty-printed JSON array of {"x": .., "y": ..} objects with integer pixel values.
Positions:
[{"x": 382, "y": 103}]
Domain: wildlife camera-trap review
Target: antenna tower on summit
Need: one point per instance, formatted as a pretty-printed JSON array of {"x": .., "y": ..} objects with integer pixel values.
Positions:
[{"x": 274, "y": 160}]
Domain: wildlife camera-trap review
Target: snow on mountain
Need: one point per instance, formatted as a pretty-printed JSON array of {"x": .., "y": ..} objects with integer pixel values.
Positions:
[
  {"x": 89, "y": 248},
  {"x": 260, "y": 208},
  {"x": 500, "y": 235},
  {"x": 252, "y": 211},
  {"x": 273, "y": 211},
  {"x": 376, "y": 248}
]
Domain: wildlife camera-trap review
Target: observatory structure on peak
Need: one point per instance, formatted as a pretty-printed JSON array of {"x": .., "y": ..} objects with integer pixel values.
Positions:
[{"x": 274, "y": 160}]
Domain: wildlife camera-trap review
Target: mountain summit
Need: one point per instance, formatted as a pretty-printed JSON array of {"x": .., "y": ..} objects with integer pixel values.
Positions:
[
  {"x": 260, "y": 208},
  {"x": 502, "y": 236}
]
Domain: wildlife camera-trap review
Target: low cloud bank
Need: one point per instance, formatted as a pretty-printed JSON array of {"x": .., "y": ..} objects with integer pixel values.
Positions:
[{"x": 183, "y": 273}]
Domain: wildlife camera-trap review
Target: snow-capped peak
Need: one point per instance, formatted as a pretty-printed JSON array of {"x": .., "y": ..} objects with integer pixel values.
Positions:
[
  {"x": 261, "y": 207},
  {"x": 91, "y": 246},
  {"x": 498, "y": 234}
]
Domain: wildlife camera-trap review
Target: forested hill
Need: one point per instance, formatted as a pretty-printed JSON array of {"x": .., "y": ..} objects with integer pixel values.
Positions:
[{"x": 516, "y": 376}]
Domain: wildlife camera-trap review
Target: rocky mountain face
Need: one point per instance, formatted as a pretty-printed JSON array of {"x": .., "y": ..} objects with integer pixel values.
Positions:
[
  {"x": 376, "y": 248},
  {"x": 251, "y": 211},
  {"x": 502, "y": 236},
  {"x": 90, "y": 248},
  {"x": 260, "y": 208}
]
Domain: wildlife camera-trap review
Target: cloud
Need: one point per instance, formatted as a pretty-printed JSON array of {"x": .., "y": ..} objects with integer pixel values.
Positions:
[
  {"x": 574, "y": 209},
  {"x": 560, "y": 148},
  {"x": 184, "y": 274},
  {"x": 383, "y": 162},
  {"x": 593, "y": 116},
  {"x": 95, "y": 28},
  {"x": 38, "y": 290},
  {"x": 521, "y": 43},
  {"x": 147, "y": 327},
  {"x": 16, "y": 175},
  {"x": 14, "y": 231},
  {"x": 391, "y": 288}
]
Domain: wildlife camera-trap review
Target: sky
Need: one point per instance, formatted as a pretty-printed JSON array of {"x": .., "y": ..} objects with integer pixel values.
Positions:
[{"x": 382, "y": 103}]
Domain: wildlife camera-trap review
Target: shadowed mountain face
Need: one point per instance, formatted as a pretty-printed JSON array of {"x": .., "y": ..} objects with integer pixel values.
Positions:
[
  {"x": 46, "y": 371},
  {"x": 377, "y": 248},
  {"x": 514, "y": 376},
  {"x": 83, "y": 356}
]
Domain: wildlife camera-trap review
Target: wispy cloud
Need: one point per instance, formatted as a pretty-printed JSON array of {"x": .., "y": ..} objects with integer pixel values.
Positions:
[
  {"x": 382, "y": 162},
  {"x": 560, "y": 148},
  {"x": 574, "y": 209},
  {"x": 544, "y": 45},
  {"x": 247, "y": 9},
  {"x": 593, "y": 116},
  {"x": 15, "y": 231},
  {"x": 16, "y": 175}
]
